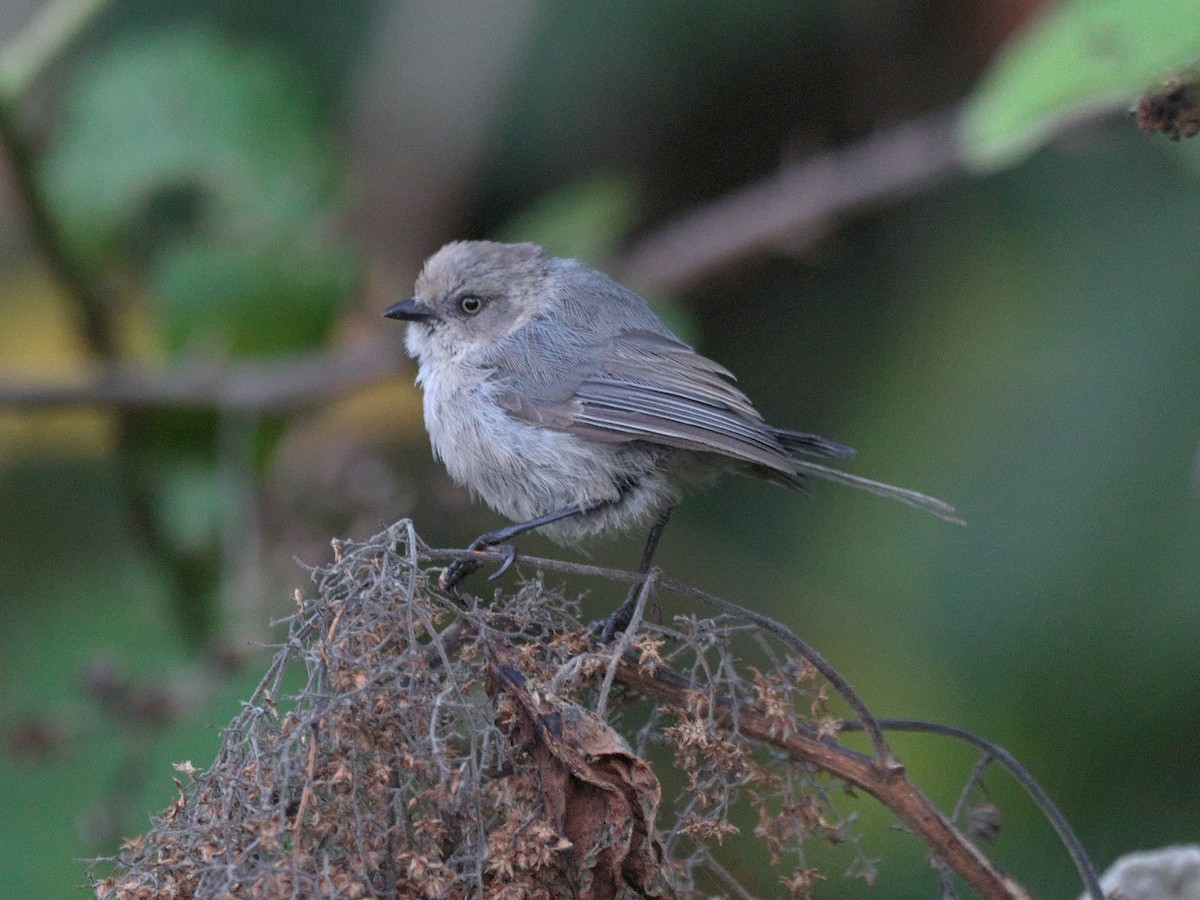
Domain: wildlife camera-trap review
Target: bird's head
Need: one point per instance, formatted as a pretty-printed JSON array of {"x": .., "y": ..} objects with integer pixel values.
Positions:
[{"x": 472, "y": 294}]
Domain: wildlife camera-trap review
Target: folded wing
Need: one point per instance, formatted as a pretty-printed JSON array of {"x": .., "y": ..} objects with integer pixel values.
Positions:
[{"x": 645, "y": 386}]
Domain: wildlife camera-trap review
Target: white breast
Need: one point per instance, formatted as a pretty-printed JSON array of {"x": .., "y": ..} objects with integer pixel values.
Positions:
[
  {"x": 520, "y": 470},
  {"x": 523, "y": 470}
]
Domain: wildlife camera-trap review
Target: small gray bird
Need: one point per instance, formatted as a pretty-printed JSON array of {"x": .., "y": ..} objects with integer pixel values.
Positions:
[{"x": 562, "y": 400}]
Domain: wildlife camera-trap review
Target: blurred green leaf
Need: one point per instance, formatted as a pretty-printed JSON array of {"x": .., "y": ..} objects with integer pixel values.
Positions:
[
  {"x": 264, "y": 298},
  {"x": 79, "y": 593},
  {"x": 189, "y": 504},
  {"x": 205, "y": 168},
  {"x": 587, "y": 219},
  {"x": 1081, "y": 57}
]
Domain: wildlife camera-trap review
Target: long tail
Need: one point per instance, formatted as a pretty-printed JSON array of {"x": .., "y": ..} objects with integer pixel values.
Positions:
[
  {"x": 799, "y": 443},
  {"x": 811, "y": 444},
  {"x": 912, "y": 498}
]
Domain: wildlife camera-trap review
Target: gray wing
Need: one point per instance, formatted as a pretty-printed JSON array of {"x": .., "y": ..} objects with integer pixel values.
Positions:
[
  {"x": 652, "y": 388},
  {"x": 644, "y": 386},
  {"x": 640, "y": 385}
]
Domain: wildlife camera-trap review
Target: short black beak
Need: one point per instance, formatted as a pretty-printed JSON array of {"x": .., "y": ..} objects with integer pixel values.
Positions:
[{"x": 410, "y": 310}]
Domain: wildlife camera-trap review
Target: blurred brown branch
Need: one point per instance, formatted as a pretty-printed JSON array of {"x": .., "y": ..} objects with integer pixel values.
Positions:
[
  {"x": 22, "y": 63},
  {"x": 248, "y": 387},
  {"x": 796, "y": 206}
]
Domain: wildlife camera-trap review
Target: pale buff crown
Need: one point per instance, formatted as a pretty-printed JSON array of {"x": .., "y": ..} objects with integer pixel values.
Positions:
[{"x": 485, "y": 269}]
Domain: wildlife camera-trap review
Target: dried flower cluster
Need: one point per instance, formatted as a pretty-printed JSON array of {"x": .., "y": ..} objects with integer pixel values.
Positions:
[
  {"x": 1172, "y": 107},
  {"x": 442, "y": 751}
]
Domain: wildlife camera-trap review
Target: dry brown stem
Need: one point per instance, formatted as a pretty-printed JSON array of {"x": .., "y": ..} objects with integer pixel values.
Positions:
[
  {"x": 438, "y": 748},
  {"x": 888, "y": 785}
]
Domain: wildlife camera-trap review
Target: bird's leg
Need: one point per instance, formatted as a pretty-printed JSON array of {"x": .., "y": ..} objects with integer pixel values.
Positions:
[
  {"x": 461, "y": 568},
  {"x": 619, "y": 620}
]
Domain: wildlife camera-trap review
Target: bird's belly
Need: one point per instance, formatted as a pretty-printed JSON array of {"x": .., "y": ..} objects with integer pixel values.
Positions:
[{"x": 523, "y": 470}]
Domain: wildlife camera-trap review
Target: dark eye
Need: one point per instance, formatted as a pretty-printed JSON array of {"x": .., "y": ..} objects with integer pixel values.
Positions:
[{"x": 470, "y": 305}]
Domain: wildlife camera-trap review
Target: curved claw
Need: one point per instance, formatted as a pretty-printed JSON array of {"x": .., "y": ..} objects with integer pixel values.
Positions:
[
  {"x": 456, "y": 572},
  {"x": 611, "y": 627},
  {"x": 510, "y": 557},
  {"x": 461, "y": 568},
  {"x": 617, "y": 622},
  {"x": 604, "y": 630}
]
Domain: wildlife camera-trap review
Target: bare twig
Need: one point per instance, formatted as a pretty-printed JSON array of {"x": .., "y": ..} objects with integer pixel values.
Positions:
[
  {"x": 626, "y": 638},
  {"x": 794, "y": 206},
  {"x": 1083, "y": 864},
  {"x": 883, "y": 755},
  {"x": 974, "y": 780},
  {"x": 829, "y": 755},
  {"x": 727, "y": 879},
  {"x": 23, "y": 62},
  {"x": 247, "y": 387},
  {"x": 890, "y": 788},
  {"x": 442, "y": 554},
  {"x": 801, "y": 201}
]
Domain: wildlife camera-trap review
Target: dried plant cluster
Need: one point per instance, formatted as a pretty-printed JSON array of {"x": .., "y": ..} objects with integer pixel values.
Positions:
[
  {"x": 439, "y": 749},
  {"x": 1172, "y": 107}
]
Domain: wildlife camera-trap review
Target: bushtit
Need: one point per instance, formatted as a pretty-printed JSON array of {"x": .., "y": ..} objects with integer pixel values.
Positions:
[{"x": 562, "y": 400}]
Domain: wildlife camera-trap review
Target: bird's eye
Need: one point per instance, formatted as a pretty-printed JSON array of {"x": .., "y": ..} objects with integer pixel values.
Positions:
[{"x": 470, "y": 305}]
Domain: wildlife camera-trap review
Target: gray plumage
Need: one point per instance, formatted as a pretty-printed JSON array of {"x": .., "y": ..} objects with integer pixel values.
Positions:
[{"x": 547, "y": 385}]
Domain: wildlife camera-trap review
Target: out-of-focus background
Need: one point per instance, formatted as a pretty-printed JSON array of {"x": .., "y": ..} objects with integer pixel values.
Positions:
[{"x": 925, "y": 228}]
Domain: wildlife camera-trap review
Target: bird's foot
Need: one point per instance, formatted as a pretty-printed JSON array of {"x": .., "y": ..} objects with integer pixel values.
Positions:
[
  {"x": 609, "y": 628},
  {"x": 461, "y": 568}
]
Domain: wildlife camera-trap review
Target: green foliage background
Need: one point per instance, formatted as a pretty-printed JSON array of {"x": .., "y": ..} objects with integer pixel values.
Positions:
[{"x": 1021, "y": 342}]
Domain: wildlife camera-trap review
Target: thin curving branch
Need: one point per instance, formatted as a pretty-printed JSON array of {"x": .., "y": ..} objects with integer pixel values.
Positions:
[
  {"x": 22, "y": 64},
  {"x": 247, "y": 387},
  {"x": 805, "y": 198},
  {"x": 890, "y": 787},
  {"x": 796, "y": 205},
  {"x": 994, "y": 752},
  {"x": 883, "y": 754},
  {"x": 887, "y": 783}
]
